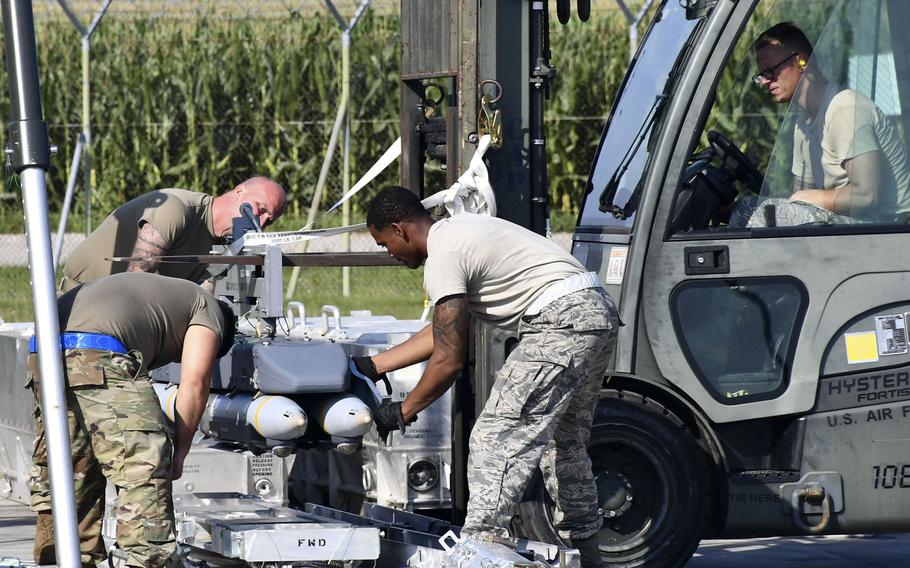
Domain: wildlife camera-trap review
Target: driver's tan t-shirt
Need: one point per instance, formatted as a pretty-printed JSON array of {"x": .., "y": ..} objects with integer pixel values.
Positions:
[
  {"x": 146, "y": 312},
  {"x": 501, "y": 266},
  {"x": 851, "y": 125},
  {"x": 182, "y": 217}
]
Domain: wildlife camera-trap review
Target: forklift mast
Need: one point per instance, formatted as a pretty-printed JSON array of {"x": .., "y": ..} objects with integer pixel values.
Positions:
[{"x": 454, "y": 53}]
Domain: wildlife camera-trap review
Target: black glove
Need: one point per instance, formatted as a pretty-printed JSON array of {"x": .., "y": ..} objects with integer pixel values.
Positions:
[
  {"x": 388, "y": 417},
  {"x": 365, "y": 368}
]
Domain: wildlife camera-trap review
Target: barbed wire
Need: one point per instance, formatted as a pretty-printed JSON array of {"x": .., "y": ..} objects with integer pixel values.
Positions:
[
  {"x": 218, "y": 9},
  {"x": 150, "y": 9}
]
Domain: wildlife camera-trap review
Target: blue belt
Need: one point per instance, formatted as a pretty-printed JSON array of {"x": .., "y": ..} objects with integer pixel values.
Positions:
[{"x": 80, "y": 340}]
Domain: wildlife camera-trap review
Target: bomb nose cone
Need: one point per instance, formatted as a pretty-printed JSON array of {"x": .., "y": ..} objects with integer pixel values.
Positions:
[
  {"x": 363, "y": 417},
  {"x": 298, "y": 421},
  {"x": 345, "y": 415},
  {"x": 277, "y": 418}
]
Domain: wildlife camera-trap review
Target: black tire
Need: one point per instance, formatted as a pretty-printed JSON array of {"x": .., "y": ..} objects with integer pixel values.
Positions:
[{"x": 651, "y": 474}]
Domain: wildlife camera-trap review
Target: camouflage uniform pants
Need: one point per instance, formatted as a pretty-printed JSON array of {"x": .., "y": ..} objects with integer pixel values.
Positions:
[
  {"x": 760, "y": 212},
  {"x": 117, "y": 433},
  {"x": 539, "y": 414}
]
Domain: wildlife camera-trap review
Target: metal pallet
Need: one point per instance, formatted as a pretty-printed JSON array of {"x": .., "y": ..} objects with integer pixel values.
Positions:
[
  {"x": 254, "y": 531},
  {"x": 220, "y": 530}
]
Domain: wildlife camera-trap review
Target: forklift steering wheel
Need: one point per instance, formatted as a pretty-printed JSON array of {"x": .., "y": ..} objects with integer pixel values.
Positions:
[{"x": 734, "y": 161}]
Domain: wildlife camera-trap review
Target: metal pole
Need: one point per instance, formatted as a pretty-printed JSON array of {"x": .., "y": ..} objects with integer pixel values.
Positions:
[
  {"x": 346, "y": 165},
  {"x": 634, "y": 22},
  {"x": 540, "y": 76},
  {"x": 341, "y": 117},
  {"x": 68, "y": 199},
  {"x": 87, "y": 131},
  {"x": 86, "y": 36},
  {"x": 878, "y": 29},
  {"x": 317, "y": 194},
  {"x": 29, "y": 156}
]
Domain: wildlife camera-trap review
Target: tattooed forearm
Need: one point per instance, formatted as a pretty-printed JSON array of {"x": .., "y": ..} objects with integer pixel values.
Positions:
[
  {"x": 450, "y": 334},
  {"x": 149, "y": 244},
  {"x": 450, "y": 328}
]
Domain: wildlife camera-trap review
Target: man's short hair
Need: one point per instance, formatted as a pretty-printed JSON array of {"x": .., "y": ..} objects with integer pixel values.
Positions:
[
  {"x": 786, "y": 34},
  {"x": 229, "y": 330},
  {"x": 393, "y": 205}
]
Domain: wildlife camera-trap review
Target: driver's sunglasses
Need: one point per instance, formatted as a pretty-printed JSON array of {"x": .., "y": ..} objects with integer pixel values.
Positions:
[{"x": 771, "y": 73}]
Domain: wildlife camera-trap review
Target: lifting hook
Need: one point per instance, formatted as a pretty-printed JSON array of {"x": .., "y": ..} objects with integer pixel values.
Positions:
[
  {"x": 811, "y": 493},
  {"x": 490, "y": 119}
]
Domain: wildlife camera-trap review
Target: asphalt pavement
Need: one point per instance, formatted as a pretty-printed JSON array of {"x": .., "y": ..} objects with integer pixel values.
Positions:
[
  {"x": 863, "y": 551},
  {"x": 853, "y": 551}
]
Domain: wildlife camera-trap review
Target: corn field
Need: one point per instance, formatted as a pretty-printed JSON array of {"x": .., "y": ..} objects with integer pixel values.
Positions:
[
  {"x": 203, "y": 99},
  {"x": 202, "y": 94}
]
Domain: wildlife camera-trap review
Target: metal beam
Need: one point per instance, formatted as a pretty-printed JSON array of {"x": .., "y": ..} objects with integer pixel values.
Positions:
[
  {"x": 313, "y": 259},
  {"x": 29, "y": 156}
]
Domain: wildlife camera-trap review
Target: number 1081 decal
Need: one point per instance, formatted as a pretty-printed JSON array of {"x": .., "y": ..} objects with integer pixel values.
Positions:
[{"x": 890, "y": 476}]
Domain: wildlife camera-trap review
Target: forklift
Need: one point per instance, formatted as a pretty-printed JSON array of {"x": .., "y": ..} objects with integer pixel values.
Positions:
[{"x": 761, "y": 380}]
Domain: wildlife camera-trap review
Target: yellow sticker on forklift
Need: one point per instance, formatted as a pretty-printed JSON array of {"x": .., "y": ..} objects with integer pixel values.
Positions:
[
  {"x": 616, "y": 267},
  {"x": 861, "y": 347}
]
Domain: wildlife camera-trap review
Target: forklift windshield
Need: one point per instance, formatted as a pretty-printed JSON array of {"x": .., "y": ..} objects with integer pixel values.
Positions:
[
  {"x": 806, "y": 131},
  {"x": 625, "y": 146}
]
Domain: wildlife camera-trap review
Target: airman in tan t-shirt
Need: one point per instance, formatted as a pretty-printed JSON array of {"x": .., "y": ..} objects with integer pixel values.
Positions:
[{"x": 168, "y": 222}]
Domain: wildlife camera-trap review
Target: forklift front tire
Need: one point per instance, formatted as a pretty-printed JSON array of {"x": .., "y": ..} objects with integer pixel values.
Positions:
[{"x": 652, "y": 484}]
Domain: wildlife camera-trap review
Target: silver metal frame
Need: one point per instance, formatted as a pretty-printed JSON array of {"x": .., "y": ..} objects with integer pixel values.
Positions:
[{"x": 29, "y": 156}]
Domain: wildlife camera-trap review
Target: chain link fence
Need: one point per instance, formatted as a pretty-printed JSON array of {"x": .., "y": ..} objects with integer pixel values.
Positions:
[{"x": 202, "y": 94}]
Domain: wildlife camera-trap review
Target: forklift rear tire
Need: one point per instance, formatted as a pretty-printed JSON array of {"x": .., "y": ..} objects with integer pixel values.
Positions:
[{"x": 652, "y": 482}]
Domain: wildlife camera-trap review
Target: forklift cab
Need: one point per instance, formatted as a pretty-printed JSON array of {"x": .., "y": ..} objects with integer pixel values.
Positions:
[{"x": 757, "y": 243}]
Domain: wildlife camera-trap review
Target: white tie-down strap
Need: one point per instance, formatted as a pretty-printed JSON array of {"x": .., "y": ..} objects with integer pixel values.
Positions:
[
  {"x": 294, "y": 237},
  {"x": 384, "y": 161},
  {"x": 472, "y": 193}
]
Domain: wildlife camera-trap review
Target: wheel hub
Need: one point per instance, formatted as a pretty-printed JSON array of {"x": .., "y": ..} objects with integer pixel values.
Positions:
[{"x": 615, "y": 492}]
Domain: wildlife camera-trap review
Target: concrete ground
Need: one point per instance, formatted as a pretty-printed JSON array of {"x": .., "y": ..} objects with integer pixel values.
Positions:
[
  {"x": 17, "y": 528},
  {"x": 867, "y": 551},
  {"x": 877, "y": 551}
]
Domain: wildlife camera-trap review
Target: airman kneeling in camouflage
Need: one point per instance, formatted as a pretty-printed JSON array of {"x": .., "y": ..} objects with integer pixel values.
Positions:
[
  {"x": 113, "y": 331},
  {"x": 540, "y": 411}
]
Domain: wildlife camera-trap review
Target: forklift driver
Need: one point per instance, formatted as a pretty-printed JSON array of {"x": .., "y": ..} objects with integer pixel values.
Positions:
[
  {"x": 849, "y": 162},
  {"x": 168, "y": 221},
  {"x": 113, "y": 331},
  {"x": 541, "y": 407}
]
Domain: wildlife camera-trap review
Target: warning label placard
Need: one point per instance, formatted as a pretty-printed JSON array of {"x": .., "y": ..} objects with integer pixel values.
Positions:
[
  {"x": 616, "y": 268},
  {"x": 891, "y": 334}
]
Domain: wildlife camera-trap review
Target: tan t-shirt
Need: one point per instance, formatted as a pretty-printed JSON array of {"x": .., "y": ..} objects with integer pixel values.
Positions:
[
  {"x": 146, "y": 312},
  {"x": 499, "y": 265},
  {"x": 852, "y": 125},
  {"x": 183, "y": 218}
]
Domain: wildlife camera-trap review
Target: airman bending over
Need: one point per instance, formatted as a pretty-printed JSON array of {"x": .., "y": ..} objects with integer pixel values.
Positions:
[
  {"x": 168, "y": 222},
  {"x": 113, "y": 331},
  {"x": 542, "y": 404}
]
